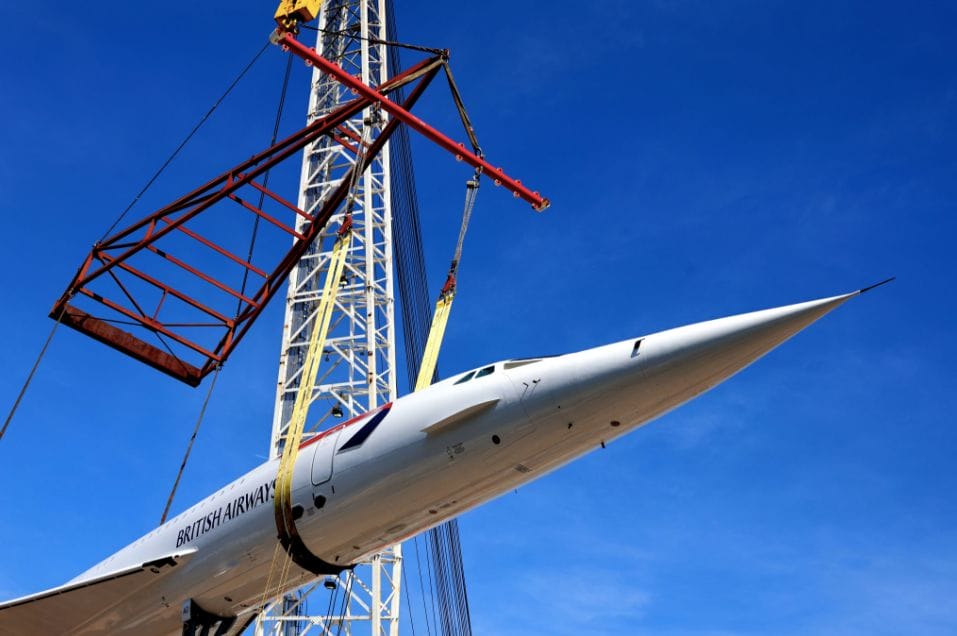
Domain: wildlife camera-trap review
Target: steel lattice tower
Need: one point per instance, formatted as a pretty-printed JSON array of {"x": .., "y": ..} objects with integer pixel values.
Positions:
[{"x": 358, "y": 371}]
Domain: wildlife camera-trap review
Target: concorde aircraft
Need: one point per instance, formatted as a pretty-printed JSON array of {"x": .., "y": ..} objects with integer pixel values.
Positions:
[{"x": 392, "y": 473}]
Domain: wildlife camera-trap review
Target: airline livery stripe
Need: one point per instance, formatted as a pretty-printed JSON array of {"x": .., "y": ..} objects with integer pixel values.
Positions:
[{"x": 312, "y": 440}]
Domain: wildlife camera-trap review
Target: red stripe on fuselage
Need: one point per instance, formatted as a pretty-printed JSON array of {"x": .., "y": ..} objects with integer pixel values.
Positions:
[{"x": 339, "y": 427}]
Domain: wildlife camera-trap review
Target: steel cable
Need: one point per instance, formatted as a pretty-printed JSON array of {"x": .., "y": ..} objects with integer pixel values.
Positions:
[
  {"x": 391, "y": 42},
  {"x": 265, "y": 183},
  {"x": 189, "y": 447},
  {"x": 33, "y": 370},
  {"x": 252, "y": 243},
  {"x": 185, "y": 141},
  {"x": 449, "y": 594}
]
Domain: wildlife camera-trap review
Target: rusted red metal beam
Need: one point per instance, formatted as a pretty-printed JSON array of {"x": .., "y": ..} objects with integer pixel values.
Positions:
[
  {"x": 198, "y": 273},
  {"x": 281, "y": 201},
  {"x": 266, "y": 217},
  {"x": 167, "y": 290},
  {"x": 289, "y": 42},
  {"x": 130, "y": 345},
  {"x": 152, "y": 324},
  {"x": 228, "y": 185},
  {"x": 204, "y": 197},
  {"x": 112, "y": 254},
  {"x": 216, "y": 248},
  {"x": 274, "y": 283}
]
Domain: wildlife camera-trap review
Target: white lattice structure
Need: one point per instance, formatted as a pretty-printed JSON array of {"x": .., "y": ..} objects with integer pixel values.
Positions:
[{"x": 358, "y": 371}]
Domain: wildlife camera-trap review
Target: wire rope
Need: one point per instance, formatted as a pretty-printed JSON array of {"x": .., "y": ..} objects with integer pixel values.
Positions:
[
  {"x": 33, "y": 370},
  {"x": 185, "y": 141},
  {"x": 408, "y": 600},
  {"x": 432, "y": 585},
  {"x": 262, "y": 193},
  {"x": 341, "y": 610},
  {"x": 189, "y": 446},
  {"x": 425, "y": 609},
  {"x": 416, "y": 313},
  {"x": 370, "y": 40},
  {"x": 252, "y": 243}
]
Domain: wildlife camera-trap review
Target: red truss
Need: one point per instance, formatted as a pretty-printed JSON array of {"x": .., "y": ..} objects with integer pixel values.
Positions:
[{"x": 199, "y": 319}]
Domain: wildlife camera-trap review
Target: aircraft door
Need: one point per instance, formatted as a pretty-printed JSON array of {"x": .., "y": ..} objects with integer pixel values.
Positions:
[{"x": 323, "y": 458}]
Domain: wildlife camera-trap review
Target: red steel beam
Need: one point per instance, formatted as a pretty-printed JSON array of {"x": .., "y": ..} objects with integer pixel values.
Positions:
[
  {"x": 273, "y": 284},
  {"x": 166, "y": 289},
  {"x": 216, "y": 248},
  {"x": 281, "y": 201},
  {"x": 225, "y": 186},
  {"x": 266, "y": 217},
  {"x": 295, "y": 142},
  {"x": 289, "y": 42},
  {"x": 152, "y": 325},
  {"x": 193, "y": 204},
  {"x": 229, "y": 185},
  {"x": 130, "y": 345},
  {"x": 198, "y": 274}
]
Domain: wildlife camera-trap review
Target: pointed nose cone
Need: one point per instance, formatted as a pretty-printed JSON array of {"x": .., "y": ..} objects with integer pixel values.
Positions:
[
  {"x": 635, "y": 381},
  {"x": 686, "y": 361}
]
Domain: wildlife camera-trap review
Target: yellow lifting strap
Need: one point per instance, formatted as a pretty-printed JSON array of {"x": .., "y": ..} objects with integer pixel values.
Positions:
[
  {"x": 285, "y": 523},
  {"x": 443, "y": 307},
  {"x": 430, "y": 356}
]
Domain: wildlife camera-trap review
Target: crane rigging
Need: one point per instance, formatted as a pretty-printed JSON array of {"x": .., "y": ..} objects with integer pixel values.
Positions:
[
  {"x": 145, "y": 299},
  {"x": 176, "y": 310},
  {"x": 446, "y": 449},
  {"x": 115, "y": 276}
]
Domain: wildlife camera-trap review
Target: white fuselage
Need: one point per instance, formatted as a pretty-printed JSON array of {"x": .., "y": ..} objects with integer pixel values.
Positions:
[{"x": 433, "y": 455}]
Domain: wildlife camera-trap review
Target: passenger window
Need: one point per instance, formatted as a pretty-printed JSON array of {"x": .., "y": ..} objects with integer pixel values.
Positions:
[
  {"x": 465, "y": 378},
  {"x": 484, "y": 372},
  {"x": 634, "y": 351}
]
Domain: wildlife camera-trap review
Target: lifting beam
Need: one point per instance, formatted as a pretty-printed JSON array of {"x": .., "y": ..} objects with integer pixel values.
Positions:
[
  {"x": 289, "y": 43},
  {"x": 116, "y": 259}
]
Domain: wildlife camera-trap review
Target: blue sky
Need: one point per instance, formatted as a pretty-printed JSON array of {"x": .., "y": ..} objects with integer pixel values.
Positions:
[{"x": 703, "y": 159}]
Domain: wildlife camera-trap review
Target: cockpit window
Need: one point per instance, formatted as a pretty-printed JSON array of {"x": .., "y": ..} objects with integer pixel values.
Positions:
[
  {"x": 479, "y": 373},
  {"x": 465, "y": 378},
  {"x": 514, "y": 364}
]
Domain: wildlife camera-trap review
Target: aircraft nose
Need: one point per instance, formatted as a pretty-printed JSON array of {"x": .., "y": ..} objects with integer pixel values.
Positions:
[
  {"x": 635, "y": 381},
  {"x": 681, "y": 363}
]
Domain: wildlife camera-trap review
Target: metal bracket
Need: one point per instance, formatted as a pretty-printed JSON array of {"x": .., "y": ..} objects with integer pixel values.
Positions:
[{"x": 199, "y": 622}]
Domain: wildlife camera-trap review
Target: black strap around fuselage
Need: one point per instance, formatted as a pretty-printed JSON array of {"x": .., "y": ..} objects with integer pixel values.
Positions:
[{"x": 294, "y": 546}]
